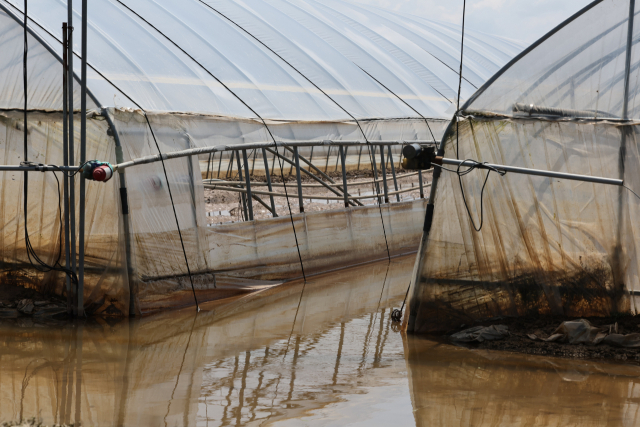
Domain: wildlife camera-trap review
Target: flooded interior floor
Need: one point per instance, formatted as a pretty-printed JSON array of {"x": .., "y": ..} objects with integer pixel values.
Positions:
[{"x": 322, "y": 353}]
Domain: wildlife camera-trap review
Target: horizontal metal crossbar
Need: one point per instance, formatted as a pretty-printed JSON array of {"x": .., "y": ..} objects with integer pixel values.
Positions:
[{"x": 537, "y": 172}]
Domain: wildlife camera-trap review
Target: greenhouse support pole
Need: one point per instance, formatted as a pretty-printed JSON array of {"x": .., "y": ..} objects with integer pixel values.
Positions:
[
  {"x": 298, "y": 178},
  {"x": 617, "y": 257},
  {"x": 383, "y": 165},
  {"x": 393, "y": 174},
  {"x": 247, "y": 179},
  {"x": 317, "y": 179},
  {"x": 344, "y": 176},
  {"x": 627, "y": 66},
  {"x": 372, "y": 152},
  {"x": 71, "y": 143},
  {"x": 65, "y": 161},
  {"x": 83, "y": 157},
  {"x": 269, "y": 186},
  {"x": 124, "y": 204},
  {"x": 243, "y": 196}
]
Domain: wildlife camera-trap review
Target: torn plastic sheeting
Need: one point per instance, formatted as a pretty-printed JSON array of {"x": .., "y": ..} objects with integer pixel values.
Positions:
[
  {"x": 581, "y": 332},
  {"x": 482, "y": 333}
]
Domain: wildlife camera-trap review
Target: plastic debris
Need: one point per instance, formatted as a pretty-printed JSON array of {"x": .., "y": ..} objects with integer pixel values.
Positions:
[{"x": 582, "y": 332}]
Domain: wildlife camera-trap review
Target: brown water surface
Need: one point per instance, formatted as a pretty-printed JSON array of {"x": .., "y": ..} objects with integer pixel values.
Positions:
[{"x": 324, "y": 354}]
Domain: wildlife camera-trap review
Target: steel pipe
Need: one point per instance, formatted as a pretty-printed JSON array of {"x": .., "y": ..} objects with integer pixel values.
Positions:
[{"x": 537, "y": 172}]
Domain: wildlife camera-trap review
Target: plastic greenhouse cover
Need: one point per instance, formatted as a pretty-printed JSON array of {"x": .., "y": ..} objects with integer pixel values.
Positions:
[
  {"x": 547, "y": 246},
  {"x": 173, "y": 60},
  {"x": 328, "y": 43}
]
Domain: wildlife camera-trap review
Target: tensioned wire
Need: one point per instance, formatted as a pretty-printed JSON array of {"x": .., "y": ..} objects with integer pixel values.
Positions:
[
  {"x": 246, "y": 105},
  {"x": 160, "y": 152},
  {"x": 325, "y": 94},
  {"x": 32, "y": 256},
  {"x": 157, "y": 146}
]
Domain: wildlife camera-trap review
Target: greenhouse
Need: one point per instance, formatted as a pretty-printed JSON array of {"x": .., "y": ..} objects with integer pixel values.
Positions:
[
  {"x": 166, "y": 77},
  {"x": 514, "y": 244}
]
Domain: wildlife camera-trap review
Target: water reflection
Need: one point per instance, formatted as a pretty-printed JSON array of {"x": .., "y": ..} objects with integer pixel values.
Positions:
[{"x": 324, "y": 353}]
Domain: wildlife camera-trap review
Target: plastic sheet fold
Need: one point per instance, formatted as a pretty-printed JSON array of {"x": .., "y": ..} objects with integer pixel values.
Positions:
[{"x": 547, "y": 246}]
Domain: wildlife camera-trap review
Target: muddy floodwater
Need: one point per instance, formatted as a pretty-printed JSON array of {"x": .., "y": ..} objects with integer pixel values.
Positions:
[{"x": 322, "y": 353}]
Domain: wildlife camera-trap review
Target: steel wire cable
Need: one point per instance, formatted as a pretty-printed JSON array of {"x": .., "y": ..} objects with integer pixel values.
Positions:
[
  {"x": 33, "y": 257},
  {"x": 476, "y": 164},
  {"x": 157, "y": 146},
  {"x": 325, "y": 94},
  {"x": 246, "y": 105}
]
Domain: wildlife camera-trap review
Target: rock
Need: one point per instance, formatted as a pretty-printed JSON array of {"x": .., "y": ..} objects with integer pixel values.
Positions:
[
  {"x": 41, "y": 303},
  {"x": 25, "y": 306}
]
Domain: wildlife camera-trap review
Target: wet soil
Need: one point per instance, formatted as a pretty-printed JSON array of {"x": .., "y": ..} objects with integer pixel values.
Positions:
[
  {"x": 519, "y": 342},
  {"x": 18, "y": 302}
]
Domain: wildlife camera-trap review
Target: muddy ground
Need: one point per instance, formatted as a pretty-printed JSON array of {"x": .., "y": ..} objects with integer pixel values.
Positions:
[
  {"x": 225, "y": 206},
  {"x": 19, "y": 302},
  {"x": 544, "y": 327}
]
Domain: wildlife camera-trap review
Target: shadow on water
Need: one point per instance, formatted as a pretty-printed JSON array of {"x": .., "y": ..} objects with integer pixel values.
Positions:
[{"x": 341, "y": 362}]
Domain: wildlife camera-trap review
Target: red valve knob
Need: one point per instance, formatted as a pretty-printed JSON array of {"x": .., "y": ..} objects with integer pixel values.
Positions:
[{"x": 102, "y": 173}]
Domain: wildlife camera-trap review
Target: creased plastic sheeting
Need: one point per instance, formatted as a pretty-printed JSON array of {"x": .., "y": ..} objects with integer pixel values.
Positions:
[
  {"x": 583, "y": 67},
  {"x": 157, "y": 261},
  {"x": 328, "y": 45},
  {"x": 547, "y": 246},
  {"x": 106, "y": 284},
  {"x": 44, "y": 71}
]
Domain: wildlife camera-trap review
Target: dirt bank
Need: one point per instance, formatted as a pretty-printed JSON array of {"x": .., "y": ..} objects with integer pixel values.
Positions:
[{"x": 518, "y": 341}]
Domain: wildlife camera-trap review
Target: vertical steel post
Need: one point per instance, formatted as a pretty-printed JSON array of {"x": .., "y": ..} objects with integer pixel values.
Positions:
[
  {"x": 208, "y": 166},
  {"x": 625, "y": 132},
  {"x": 72, "y": 149},
  {"x": 253, "y": 164},
  {"x": 311, "y": 156},
  {"x": 421, "y": 185},
  {"x": 247, "y": 179},
  {"x": 298, "y": 179},
  {"x": 219, "y": 164},
  {"x": 243, "y": 196},
  {"x": 627, "y": 65},
  {"x": 83, "y": 158},
  {"x": 346, "y": 154},
  {"x": 292, "y": 164},
  {"x": 344, "y": 176},
  {"x": 359, "y": 157},
  {"x": 230, "y": 166},
  {"x": 393, "y": 173},
  {"x": 269, "y": 186},
  {"x": 372, "y": 150},
  {"x": 326, "y": 165},
  {"x": 65, "y": 162},
  {"x": 383, "y": 165}
]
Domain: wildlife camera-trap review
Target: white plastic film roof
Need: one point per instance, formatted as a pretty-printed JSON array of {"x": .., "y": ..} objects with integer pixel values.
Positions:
[{"x": 277, "y": 57}]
